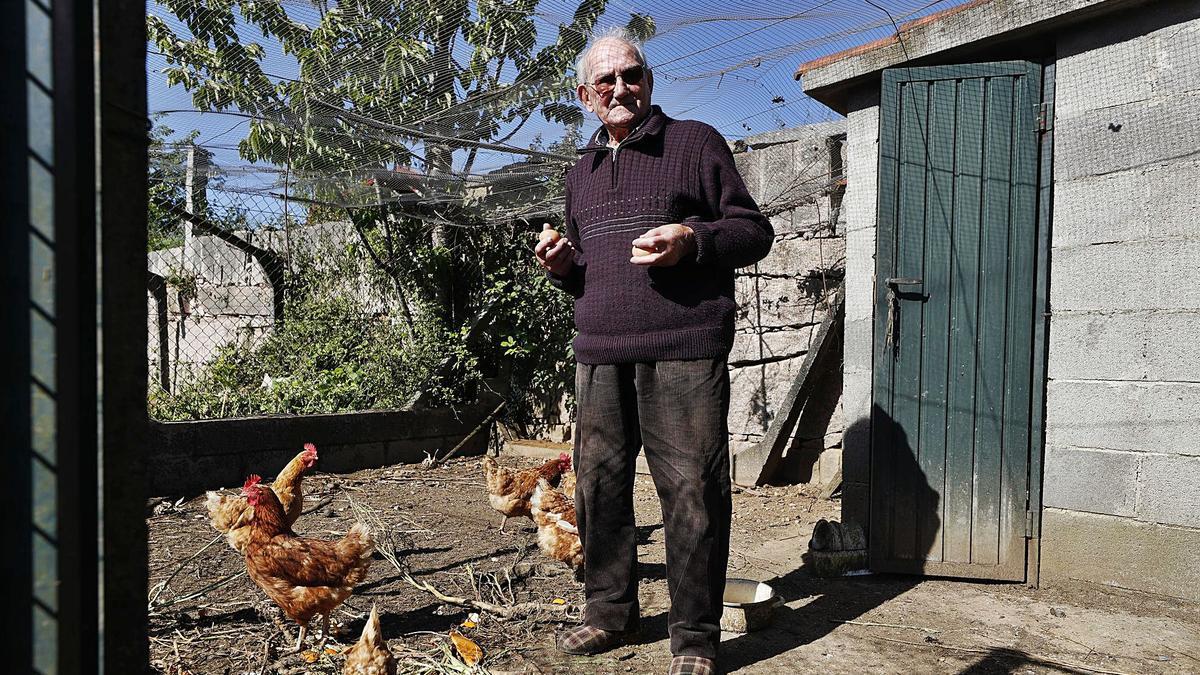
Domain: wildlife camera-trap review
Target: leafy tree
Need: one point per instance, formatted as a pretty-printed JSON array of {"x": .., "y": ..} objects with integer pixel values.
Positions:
[
  {"x": 168, "y": 169},
  {"x": 396, "y": 83},
  {"x": 377, "y": 76}
]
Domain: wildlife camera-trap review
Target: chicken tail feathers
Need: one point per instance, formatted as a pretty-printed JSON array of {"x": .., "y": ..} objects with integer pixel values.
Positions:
[
  {"x": 371, "y": 632},
  {"x": 224, "y": 511}
]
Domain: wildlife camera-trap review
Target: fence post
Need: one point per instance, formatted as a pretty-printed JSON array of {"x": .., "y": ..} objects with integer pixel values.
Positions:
[{"x": 196, "y": 185}]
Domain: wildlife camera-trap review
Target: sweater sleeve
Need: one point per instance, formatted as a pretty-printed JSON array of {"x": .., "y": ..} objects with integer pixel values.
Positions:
[
  {"x": 740, "y": 234},
  {"x": 572, "y": 283}
]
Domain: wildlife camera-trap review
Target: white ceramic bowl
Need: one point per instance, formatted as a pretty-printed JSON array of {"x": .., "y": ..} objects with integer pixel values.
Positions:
[{"x": 748, "y": 605}]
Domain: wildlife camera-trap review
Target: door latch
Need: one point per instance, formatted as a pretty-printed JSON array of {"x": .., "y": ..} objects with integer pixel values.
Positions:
[{"x": 893, "y": 326}]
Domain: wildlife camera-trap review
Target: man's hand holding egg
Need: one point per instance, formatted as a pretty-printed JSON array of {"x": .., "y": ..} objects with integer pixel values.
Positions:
[
  {"x": 663, "y": 246},
  {"x": 554, "y": 252}
]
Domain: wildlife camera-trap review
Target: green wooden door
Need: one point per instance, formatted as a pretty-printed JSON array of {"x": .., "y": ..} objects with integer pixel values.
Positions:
[{"x": 954, "y": 319}]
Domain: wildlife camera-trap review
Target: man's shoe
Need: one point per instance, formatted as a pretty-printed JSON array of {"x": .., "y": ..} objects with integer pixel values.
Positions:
[
  {"x": 586, "y": 640},
  {"x": 692, "y": 665}
]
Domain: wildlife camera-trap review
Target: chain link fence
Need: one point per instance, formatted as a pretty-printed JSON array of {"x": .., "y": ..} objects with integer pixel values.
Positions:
[{"x": 270, "y": 300}]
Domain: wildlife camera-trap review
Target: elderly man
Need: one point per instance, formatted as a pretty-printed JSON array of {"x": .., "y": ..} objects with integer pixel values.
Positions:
[{"x": 657, "y": 219}]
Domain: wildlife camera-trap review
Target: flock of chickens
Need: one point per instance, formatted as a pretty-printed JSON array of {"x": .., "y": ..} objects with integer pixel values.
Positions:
[{"x": 309, "y": 578}]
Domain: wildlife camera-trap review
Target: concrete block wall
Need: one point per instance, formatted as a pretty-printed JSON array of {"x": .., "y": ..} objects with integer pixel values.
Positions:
[
  {"x": 783, "y": 299},
  {"x": 1122, "y": 458},
  {"x": 862, "y": 180}
]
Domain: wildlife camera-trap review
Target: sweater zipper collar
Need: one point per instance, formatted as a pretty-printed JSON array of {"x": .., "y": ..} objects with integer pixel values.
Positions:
[{"x": 638, "y": 134}]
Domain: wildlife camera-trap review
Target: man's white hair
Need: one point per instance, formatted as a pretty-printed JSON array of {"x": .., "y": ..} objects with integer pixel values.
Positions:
[{"x": 583, "y": 69}]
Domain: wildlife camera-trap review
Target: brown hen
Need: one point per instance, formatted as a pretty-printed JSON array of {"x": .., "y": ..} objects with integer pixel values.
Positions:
[
  {"x": 370, "y": 655},
  {"x": 231, "y": 514},
  {"x": 509, "y": 490},
  {"x": 305, "y": 577},
  {"x": 558, "y": 536}
]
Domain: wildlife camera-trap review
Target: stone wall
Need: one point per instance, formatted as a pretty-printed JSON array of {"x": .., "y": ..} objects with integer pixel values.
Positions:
[
  {"x": 1122, "y": 460},
  {"x": 795, "y": 175}
]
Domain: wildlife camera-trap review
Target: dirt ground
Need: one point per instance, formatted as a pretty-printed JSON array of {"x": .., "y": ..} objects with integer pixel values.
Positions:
[{"x": 210, "y": 618}]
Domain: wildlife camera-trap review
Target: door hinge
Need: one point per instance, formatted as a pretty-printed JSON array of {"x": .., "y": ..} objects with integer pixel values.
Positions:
[
  {"x": 1045, "y": 117},
  {"x": 1028, "y": 523}
]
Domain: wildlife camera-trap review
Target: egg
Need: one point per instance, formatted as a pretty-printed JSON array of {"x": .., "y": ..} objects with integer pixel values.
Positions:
[{"x": 549, "y": 235}]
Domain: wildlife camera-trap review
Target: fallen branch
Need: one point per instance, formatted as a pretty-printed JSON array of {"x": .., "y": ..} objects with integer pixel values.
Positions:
[
  {"x": 383, "y": 534},
  {"x": 504, "y": 612},
  {"x": 433, "y": 461},
  {"x": 319, "y": 505},
  {"x": 1014, "y": 654}
]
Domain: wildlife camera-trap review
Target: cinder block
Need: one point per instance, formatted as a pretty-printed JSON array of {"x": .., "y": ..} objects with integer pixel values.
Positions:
[
  {"x": 1170, "y": 490},
  {"x": 808, "y": 134},
  {"x": 858, "y": 346},
  {"x": 1179, "y": 69},
  {"x": 778, "y": 302},
  {"x": 1159, "y": 202},
  {"x": 862, "y": 166},
  {"x": 1119, "y": 552},
  {"x": 1127, "y": 276},
  {"x": 749, "y": 396},
  {"x": 1141, "y": 56},
  {"x": 234, "y": 300},
  {"x": 1126, "y": 136},
  {"x": 1150, "y": 346},
  {"x": 856, "y": 505},
  {"x": 1097, "y": 481},
  {"x": 1094, "y": 72},
  {"x": 856, "y": 440},
  {"x": 1148, "y": 417}
]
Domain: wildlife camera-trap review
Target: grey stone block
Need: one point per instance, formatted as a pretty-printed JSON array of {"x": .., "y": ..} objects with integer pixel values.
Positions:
[
  {"x": 233, "y": 300},
  {"x": 862, "y": 159},
  {"x": 1152, "y": 346},
  {"x": 808, "y": 134},
  {"x": 1126, "y": 136},
  {"x": 1120, "y": 552},
  {"x": 1097, "y": 481},
  {"x": 1170, "y": 490},
  {"x": 1093, "y": 72},
  {"x": 858, "y": 346},
  {"x": 1127, "y": 276},
  {"x": 1144, "y": 55},
  {"x": 799, "y": 257},
  {"x": 1146, "y": 417},
  {"x": 856, "y": 505},
  {"x": 1157, "y": 202}
]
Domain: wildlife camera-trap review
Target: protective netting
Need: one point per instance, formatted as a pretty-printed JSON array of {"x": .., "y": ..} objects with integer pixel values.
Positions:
[{"x": 343, "y": 195}]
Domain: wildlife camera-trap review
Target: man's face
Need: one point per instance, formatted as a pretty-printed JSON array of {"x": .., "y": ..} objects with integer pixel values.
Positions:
[{"x": 626, "y": 104}]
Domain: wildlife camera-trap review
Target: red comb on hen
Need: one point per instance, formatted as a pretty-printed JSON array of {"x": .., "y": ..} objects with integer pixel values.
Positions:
[
  {"x": 565, "y": 460},
  {"x": 310, "y": 453}
]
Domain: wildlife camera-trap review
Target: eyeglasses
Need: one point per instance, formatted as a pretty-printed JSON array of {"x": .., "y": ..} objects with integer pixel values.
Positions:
[{"x": 631, "y": 76}]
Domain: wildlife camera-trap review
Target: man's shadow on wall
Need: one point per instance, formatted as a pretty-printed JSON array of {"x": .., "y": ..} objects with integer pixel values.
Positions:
[{"x": 840, "y": 599}]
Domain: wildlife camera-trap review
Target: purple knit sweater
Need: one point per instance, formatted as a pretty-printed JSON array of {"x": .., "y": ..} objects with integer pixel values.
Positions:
[{"x": 666, "y": 171}]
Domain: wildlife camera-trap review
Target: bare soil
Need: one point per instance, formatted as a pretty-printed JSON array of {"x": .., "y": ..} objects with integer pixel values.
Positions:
[{"x": 446, "y": 535}]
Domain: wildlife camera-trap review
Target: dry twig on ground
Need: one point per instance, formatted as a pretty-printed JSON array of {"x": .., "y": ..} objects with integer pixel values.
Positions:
[{"x": 513, "y": 611}]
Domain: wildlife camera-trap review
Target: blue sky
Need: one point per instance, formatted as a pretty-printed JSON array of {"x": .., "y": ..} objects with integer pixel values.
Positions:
[{"x": 728, "y": 63}]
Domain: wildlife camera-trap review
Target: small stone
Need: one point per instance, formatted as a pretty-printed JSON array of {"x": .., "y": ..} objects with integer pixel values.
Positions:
[{"x": 1057, "y": 612}]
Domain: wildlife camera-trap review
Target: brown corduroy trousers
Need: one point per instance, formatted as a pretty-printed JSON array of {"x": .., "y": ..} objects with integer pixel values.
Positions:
[{"x": 677, "y": 410}]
